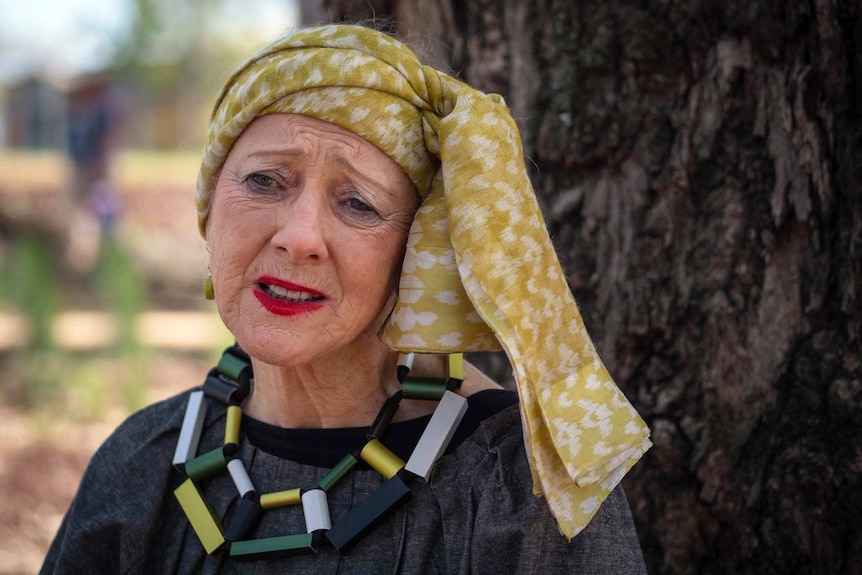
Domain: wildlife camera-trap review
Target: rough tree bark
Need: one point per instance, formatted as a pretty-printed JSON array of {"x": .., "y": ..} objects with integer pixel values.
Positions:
[{"x": 699, "y": 163}]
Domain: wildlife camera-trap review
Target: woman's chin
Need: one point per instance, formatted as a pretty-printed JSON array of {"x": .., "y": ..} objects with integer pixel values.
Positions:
[{"x": 274, "y": 350}]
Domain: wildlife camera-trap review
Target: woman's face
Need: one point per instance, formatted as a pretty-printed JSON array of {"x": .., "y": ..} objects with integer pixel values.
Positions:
[{"x": 306, "y": 237}]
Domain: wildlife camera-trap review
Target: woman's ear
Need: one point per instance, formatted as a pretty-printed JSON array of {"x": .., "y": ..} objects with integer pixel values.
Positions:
[{"x": 386, "y": 313}]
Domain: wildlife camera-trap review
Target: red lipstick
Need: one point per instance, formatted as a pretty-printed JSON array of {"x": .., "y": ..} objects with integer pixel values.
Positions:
[{"x": 303, "y": 300}]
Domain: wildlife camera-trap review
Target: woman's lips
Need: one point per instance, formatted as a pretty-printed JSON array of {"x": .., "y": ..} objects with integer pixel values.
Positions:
[{"x": 285, "y": 298}]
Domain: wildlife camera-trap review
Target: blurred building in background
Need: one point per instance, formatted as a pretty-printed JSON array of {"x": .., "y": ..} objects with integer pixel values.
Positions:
[
  {"x": 48, "y": 113},
  {"x": 166, "y": 58},
  {"x": 34, "y": 114}
]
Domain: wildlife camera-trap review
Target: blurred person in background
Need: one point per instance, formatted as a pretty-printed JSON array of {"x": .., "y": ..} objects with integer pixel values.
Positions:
[
  {"x": 369, "y": 219},
  {"x": 93, "y": 126}
]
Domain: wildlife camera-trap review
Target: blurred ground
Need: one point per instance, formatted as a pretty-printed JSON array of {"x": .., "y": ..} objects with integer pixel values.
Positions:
[
  {"x": 58, "y": 402},
  {"x": 42, "y": 459}
]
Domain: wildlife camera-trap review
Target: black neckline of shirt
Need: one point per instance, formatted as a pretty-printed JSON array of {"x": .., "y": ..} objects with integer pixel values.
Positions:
[{"x": 326, "y": 447}]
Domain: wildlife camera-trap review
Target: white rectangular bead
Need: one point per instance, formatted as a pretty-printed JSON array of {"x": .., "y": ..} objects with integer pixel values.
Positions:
[
  {"x": 190, "y": 433},
  {"x": 240, "y": 476},
  {"x": 437, "y": 434},
  {"x": 316, "y": 509}
]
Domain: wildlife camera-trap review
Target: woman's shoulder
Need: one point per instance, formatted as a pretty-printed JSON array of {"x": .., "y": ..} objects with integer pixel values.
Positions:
[
  {"x": 495, "y": 522},
  {"x": 489, "y": 439},
  {"x": 493, "y": 421},
  {"x": 124, "y": 484},
  {"x": 492, "y": 418},
  {"x": 150, "y": 424},
  {"x": 144, "y": 436}
]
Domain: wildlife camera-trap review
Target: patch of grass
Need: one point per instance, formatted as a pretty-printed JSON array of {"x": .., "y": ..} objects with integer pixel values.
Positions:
[
  {"x": 44, "y": 377},
  {"x": 36, "y": 379},
  {"x": 123, "y": 289},
  {"x": 30, "y": 284}
]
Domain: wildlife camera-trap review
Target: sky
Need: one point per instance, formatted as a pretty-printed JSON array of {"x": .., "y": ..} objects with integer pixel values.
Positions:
[{"x": 64, "y": 37}]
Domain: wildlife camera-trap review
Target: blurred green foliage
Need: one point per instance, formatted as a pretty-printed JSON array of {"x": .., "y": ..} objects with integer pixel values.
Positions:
[
  {"x": 44, "y": 376},
  {"x": 123, "y": 291},
  {"x": 29, "y": 283}
]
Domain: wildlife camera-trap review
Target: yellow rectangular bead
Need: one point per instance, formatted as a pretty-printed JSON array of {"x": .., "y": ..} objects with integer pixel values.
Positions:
[
  {"x": 200, "y": 515},
  {"x": 455, "y": 366}
]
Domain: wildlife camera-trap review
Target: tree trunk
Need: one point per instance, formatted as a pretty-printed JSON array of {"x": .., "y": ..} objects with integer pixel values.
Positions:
[{"x": 699, "y": 165}]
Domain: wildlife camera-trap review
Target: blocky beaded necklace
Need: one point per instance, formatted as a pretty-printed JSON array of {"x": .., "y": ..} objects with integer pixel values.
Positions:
[{"x": 230, "y": 383}]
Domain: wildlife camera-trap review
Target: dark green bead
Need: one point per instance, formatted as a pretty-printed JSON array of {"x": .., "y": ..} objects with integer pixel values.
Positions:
[
  {"x": 206, "y": 465},
  {"x": 428, "y": 388},
  {"x": 273, "y": 546},
  {"x": 337, "y": 472},
  {"x": 231, "y": 365}
]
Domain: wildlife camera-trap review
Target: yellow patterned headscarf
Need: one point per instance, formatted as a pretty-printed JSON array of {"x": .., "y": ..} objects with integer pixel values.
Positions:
[{"x": 480, "y": 271}]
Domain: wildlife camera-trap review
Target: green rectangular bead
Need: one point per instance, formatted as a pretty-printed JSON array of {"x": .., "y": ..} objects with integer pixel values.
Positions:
[
  {"x": 200, "y": 516},
  {"x": 273, "y": 547}
]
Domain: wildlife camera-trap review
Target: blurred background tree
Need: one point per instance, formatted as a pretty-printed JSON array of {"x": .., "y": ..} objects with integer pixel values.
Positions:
[
  {"x": 699, "y": 167},
  {"x": 176, "y": 56}
]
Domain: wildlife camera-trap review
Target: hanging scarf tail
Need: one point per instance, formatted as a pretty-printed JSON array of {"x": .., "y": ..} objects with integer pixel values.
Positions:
[
  {"x": 570, "y": 468},
  {"x": 582, "y": 434}
]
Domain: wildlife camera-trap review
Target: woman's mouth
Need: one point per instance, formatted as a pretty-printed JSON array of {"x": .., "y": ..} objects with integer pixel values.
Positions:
[
  {"x": 285, "y": 294},
  {"x": 285, "y": 298}
]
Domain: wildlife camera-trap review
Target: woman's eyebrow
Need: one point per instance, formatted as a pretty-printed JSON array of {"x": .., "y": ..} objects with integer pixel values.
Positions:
[
  {"x": 269, "y": 153},
  {"x": 338, "y": 161}
]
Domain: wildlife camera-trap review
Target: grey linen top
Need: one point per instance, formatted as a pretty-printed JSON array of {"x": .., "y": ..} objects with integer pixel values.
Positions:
[{"x": 477, "y": 513}]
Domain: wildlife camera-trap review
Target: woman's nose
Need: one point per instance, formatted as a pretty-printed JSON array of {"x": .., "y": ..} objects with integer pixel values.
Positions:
[{"x": 301, "y": 230}]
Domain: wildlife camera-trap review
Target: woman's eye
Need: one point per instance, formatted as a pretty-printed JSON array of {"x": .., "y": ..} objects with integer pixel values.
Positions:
[
  {"x": 359, "y": 209},
  {"x": 359, "y": 205},
  {"x": 262, "y": 180}
]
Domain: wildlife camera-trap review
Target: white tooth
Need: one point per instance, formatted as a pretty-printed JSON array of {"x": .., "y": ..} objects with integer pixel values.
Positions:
[
  {"x": 284, "y": 293},
  {"x": 279, "y": 291}
]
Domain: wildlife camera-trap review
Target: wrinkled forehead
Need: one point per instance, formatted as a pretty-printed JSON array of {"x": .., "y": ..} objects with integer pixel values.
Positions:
[
  {"x": 393, "y": 125},
  {"x": 297, "y": 142},
  {"x": 390, "y": 123}
]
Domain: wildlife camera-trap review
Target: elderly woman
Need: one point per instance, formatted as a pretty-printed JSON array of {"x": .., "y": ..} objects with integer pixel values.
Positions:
[{"x": 360, "y": 208}]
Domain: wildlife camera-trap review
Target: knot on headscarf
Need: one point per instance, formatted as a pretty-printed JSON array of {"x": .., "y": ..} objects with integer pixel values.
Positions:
[{"x": 479, "y": 272}]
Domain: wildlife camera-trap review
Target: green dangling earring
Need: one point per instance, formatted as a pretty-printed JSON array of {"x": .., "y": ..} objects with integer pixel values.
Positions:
[{"x": 209, "y": 291}]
